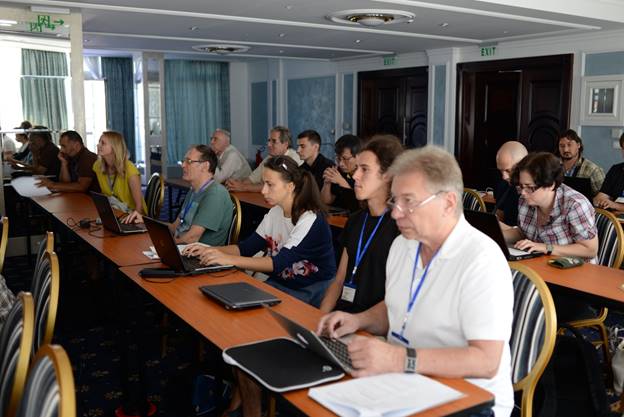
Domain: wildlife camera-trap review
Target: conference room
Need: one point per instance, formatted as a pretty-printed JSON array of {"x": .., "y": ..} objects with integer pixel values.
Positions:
[{"x": 178, "y": 102}]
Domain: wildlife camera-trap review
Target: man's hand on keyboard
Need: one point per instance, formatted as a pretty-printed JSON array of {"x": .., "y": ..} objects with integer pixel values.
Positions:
[
  {"x": 337, "y": 324},
  {"x": 372, "y": 356}
]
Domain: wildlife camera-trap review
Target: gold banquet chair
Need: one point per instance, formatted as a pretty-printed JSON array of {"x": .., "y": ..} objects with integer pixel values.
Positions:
[
  {"x": 155, "y": 195},
  {"x": 45, "y": 290},
  {"x": 237, "y": 221},
  {"x": 471, "y": 200},
  {"x": 4, "y": 240},
  {"x": 49, "y": 390},
  {"x": 15, "y": 346},
  {"x": 533, "y": 332}
]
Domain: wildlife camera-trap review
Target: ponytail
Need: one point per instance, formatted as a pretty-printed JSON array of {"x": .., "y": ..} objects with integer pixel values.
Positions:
[{"x": 307, "y": 195}]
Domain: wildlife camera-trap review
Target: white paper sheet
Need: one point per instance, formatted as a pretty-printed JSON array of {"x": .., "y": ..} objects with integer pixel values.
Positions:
[
  {"x": 25, "y": 186},
  {"x": 385, "y": 395}
]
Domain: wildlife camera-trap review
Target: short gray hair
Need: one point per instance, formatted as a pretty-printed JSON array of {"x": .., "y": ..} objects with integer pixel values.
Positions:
[
  {"x": 225, "y": 132},
  {"x": 440, "y": 169}
]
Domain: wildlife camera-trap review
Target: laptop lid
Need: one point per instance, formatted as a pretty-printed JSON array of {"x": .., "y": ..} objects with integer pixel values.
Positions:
[
  {"x": 106, "y": 213},
  {"x": 307, "y": 338},
  {"x": 488, "y": 224},
  {"x": 239, "y": 295},
  {"x": 580, "y": 184}
]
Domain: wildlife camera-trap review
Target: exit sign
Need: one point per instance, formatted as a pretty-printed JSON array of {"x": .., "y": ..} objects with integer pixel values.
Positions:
[
  {"x": 389, "y": 60},
  {"x": 488, "y": 50}
]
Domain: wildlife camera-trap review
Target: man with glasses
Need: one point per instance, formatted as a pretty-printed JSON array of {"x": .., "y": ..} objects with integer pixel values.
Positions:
[
  {"x": 232, "y": 163},
  {"x": 278, "y": 144},
  {"x": 449, "y": 296},
  {"x": 309, "y": 150},
  {"x": 338, "y": 183}
]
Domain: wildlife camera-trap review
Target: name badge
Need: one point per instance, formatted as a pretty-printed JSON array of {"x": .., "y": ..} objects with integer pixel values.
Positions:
[{"x": 348, "y": 293}]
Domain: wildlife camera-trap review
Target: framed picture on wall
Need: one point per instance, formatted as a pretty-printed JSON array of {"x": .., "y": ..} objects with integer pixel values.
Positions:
[{"x": 601, "y": 100}]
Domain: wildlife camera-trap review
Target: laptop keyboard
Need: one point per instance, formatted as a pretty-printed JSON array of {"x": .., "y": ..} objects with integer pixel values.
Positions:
[
  {"x": 130, "y": 227},
  {"x": 339, "y": 349},
  {"x": 192, "y": 262}
]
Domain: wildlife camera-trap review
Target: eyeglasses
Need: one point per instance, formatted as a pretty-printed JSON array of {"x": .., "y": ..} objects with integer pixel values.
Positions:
[
  {"x": 409, "y": 206},
  {"x": 530, "y": 189},
  {"x": 344, "y": 158},
  {"x": 190, "y": 161}
]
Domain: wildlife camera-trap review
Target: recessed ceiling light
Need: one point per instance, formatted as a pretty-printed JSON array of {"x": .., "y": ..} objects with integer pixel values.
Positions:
[
  {"x": 223, "y": 49},
  {"x": 443, "y": 24},
  {"x": 4, "y": 22},
  {"x": 193, "y": 28},
  {"x": 288, "y": 7},
  {"x": 281, "y": 52},
  {"x": 505, "y": 32},
  {"x": 357, "y": 41},
  {"x": 86, "y": 40},
  {"x": 281, "y": 35},
  {"x": 371, "y": 17}
]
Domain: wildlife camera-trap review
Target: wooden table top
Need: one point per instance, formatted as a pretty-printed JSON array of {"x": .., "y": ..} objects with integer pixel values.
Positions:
[
  {"x": 183, "y": 298},
  {"x": 595, "y": 280},
  {"x": 65, "y": 202}
]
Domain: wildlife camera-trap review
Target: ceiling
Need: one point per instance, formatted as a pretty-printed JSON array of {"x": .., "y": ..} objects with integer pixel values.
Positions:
[{"x": 298, "y": 29}]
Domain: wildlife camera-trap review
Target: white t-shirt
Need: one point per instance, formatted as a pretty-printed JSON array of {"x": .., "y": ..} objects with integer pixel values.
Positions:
[
  {"x": 467, "y": 295},
  {"x": 282, "y": 231}
]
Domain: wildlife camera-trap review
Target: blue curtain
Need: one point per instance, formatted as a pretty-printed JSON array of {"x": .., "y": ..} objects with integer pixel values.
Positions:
[
  {"x": 119, "y": 90},
  {"x": 43, "y": 88},
  {"x": 197, "y": 101}
]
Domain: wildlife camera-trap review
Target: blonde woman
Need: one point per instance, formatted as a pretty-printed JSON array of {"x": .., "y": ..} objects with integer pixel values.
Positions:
[{"x": 119, "y": 179}]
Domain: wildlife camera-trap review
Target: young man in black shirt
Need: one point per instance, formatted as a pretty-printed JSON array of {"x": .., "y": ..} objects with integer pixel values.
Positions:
[
  {"x": 337, "y": 187},
  {"x": 309, "y": 150}
]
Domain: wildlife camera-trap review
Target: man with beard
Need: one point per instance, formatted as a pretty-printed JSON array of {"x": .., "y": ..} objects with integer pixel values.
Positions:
[{"x": 574, "y": 165}]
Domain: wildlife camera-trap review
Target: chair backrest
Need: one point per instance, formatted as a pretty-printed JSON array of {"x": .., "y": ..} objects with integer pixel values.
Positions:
[
  {"x": 49, "y": 390},
  {"x": 610, "y": 239},
  {"x": 4, "y": 240},
  {"x": 46, "y": 245},
  {"x": 155, "y": 195},
  {"x": 533, "y": 332},
  {"x": 235, "y": 226},
  {"x": 15, "y": 345},
  {"x": 471, "y": 200},
  {"x": 45, "y": 292}
]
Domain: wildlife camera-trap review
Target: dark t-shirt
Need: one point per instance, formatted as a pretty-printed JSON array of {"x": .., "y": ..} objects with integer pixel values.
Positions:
[
  {"x": 345, "y": 197},
  {"x": 81, "y": 165},
  {"x": 613, "y": 184},
  {"x": 48, "y": 158},
  {"x": 371, "y": 273},
  {"x": 507, "y": 200},
  {"x": 318, "y": 167}
]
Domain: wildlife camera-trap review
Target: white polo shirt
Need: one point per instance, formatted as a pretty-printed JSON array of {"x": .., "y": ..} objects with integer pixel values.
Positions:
[{"x": 467, "y": 295}]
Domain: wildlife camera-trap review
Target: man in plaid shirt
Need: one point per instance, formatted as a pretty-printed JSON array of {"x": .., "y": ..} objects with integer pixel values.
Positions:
[
  {"x": 6, "y": 300},
  {"x": 574, "y": 165}
]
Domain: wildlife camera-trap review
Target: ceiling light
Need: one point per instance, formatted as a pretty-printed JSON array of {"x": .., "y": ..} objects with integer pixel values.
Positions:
[
  {"x": 371, "y": 17},
  {"x": 443, "y": 24},
  {"x": 288, "y": 7},
  {"x": 357, "y": 41},
  {"x": 281, "y": 35},
  {"x": 50, "y": 10},
  {"x": 193, "y": 28},
  {"x": 4, "y": 22},
  {"x": 221, "y": 49}
]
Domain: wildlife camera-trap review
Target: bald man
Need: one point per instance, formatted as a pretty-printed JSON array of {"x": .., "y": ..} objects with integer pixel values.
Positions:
[{"x": 505, "y": 193}]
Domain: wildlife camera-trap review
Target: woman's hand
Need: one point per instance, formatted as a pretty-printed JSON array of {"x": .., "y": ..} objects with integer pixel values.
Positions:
[
  {"x": 133, "y": 217},
  {"x": 530, "y": 246}
]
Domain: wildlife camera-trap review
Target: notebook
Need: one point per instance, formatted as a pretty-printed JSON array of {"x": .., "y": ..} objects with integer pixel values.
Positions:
[
  {"x": 109, "y": 220},
  {"x": 488, "y": 224},
  {"x": 169, "y": 254},
  {"x": 333, "y": 350},
  {"x": 239, "y": 295}
]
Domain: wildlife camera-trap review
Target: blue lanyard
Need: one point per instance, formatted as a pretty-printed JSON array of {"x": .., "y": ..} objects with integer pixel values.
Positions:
[
  {"x": 359, "y": 255},
  {"x": 187, "y": 206},
  {"x": 414, "y": 294}
]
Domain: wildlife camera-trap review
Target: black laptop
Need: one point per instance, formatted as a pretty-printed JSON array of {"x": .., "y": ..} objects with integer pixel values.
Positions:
[
  {"x": 580, "y": 184},
  {"x": 167, "y": 250},
  {"x": 109, "y": 220},
  {"x": 239, "y": 295},
  {"x": 488, "y": 224},
  {"x": 333, "y": 350}
]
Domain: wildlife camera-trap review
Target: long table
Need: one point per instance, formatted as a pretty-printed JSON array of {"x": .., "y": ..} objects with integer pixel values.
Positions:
[{"x": 226, "y": 328}]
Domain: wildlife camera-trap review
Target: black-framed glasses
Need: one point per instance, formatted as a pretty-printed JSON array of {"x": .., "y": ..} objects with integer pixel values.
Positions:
[
  {"x": 530, "y": 189},
  {"x": 407, "y": 205},
  {"x": 344, "y": 158}
]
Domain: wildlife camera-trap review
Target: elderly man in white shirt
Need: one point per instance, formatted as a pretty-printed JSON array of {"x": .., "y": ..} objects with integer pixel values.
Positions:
[
  {"x": 448, "y": 307},
  {"x": 232, "y": 164},
  {"x": 278, "y": 144}
]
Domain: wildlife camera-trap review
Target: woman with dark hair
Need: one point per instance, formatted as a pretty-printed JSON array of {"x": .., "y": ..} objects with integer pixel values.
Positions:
[
  {"x": 369, "y": 233},
  {"x": 294, "y": 233},
  {"x": 552, "y": 217}
]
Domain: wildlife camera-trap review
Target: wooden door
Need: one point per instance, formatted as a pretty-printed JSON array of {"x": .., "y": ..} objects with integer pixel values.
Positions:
[
  {"x": 394, "y": 102},
  {"x": 524, "y": 99}
]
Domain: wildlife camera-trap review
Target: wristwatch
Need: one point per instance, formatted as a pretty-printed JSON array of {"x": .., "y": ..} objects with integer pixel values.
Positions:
[
  {"x": 410, "y": 361},
  {"x": 549, "y": 249}
]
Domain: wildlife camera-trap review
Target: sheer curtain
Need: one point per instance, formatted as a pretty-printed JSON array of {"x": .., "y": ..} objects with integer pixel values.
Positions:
[
  {"x": 43, "y": 88},
  {"x": 197, "y": 101},
  {"x": 119, "y": 86}
]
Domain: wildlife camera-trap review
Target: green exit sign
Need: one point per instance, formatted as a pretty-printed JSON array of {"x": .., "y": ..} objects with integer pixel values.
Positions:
[
  {"x": 488, "y": 50},
  {"x": 389, "y": 60}
]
